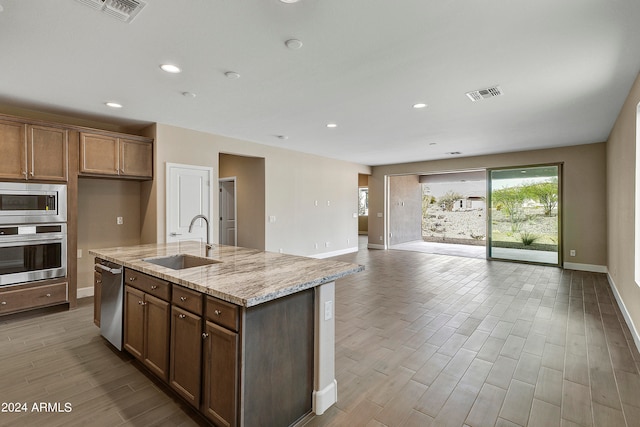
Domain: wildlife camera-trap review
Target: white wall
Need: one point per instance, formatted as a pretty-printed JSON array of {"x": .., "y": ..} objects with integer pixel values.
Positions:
[{"x": 293, "y": 182}]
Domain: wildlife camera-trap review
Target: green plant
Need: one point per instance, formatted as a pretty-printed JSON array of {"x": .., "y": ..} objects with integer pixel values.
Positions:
[
  {"x": 528, "y": 238},
  {"x": 449, "y": 199}
]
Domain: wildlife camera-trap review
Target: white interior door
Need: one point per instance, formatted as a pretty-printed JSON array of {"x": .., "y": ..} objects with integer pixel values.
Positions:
[
  {"x": 228, "y": 211},
  {"x": 188, "y": 194}
]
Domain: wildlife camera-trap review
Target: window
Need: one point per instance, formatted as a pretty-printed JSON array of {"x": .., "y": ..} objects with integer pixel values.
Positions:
[{"x": 363, "y": 201}]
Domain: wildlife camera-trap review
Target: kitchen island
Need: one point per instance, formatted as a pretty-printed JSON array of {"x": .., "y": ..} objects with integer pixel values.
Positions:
[{"x": 244, "y": 336}]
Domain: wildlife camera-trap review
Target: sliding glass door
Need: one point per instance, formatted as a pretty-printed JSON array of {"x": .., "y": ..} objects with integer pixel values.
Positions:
[{"x": 524, "y": 214}]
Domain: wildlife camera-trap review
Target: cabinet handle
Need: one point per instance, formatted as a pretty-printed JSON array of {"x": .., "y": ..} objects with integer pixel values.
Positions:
[
  {"x": 205, "y": 335},
  {"x": 181, "y": 316},
  {"x": 217, "y": 312},
  {"x": 31, "y": 173},
  {"x": 24, "y": 173},
  {"x": 131, "y": 279},
  {"x": 3, "y": 303},
  {"x": 154, "y": 287},
  {"x": 142, "y": 303},
  {"x": 183, "y": 299},
  {"x": 98, "y": 281},
  {"x": 48, "y": 295}
]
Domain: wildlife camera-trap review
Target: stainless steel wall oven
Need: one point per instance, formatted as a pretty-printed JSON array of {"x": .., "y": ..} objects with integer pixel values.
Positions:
[{"x": 33, "y": 232}]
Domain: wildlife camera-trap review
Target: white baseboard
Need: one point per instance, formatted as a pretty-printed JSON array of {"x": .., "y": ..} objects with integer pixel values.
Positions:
[
  {"x": 592, "y": 268},
  {"x": 335, "y": 253},
  {"x": 323, "y": 399},
  {"x": 375, "y": 246},
  {"x": 625, "y": 313},
  {"x": 85, "y": 292}
]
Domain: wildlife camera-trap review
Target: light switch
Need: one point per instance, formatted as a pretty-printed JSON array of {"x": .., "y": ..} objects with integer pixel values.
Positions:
[
  {"x": 272, "y": 218},
  {"x": 119, "y": 220}
]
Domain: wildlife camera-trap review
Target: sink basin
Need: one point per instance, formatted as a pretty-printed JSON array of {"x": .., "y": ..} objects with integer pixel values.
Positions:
[{"x": 181, "y": 261}]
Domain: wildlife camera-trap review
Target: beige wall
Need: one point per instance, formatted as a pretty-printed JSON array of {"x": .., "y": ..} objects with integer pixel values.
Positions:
[
  {"x": 584, "y": 193},
  {"x": 250, "y": 197},
  {"x": 621, "y": 155},
  {"x": 293, "y": 182},
  {"x": 100, "y": 202}
]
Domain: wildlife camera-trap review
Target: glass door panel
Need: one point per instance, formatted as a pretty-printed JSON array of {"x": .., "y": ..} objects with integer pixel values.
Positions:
[{"x": 524, "y": 214}]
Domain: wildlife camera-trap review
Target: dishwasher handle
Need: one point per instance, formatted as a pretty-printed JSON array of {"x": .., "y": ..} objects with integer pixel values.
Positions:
[{"x": 110, "y": 270}]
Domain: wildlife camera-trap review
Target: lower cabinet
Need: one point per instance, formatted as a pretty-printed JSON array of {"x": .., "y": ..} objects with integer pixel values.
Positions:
[
  {"x": 220, "y": 400},
  {"x": 146, "y": 330},
  {"x": 17, "y": 298},
  {"x": 186, "y": 350}
]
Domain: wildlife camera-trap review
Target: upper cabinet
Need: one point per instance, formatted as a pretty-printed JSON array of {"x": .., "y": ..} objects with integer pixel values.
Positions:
[
  {"x": 33, "y": 152},
  {"x": 102, "y": 154}
]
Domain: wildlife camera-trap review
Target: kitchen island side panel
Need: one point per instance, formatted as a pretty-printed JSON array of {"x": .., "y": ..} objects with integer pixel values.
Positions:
[{"x": 278, "y": 368}]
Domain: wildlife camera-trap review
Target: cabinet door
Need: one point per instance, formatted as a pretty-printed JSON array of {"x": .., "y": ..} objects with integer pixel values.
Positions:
[
  {"x": 186, "y": 351},
  {"x": 157, "y": 318},
  {"x": 134, "y": 324},
  {"x": 97, "y": 293},
  {"x": 220, "y": 375},
  {"x": 13, "y": 146},
  {"x": 47, "y": 153},
  {"x": 99, "y": 154},
  {"x": 136, "y": 159}
]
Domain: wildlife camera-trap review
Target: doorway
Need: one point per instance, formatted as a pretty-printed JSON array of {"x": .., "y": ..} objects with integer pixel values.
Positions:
[
  {"x": 228, "y": 211},
  {"x": 524, "y": 220}
]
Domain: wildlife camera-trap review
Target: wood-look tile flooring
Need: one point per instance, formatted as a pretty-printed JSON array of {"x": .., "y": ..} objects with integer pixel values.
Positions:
[
  {"x": 433, "y": 340},
  {"x": 421, "y": 340}
]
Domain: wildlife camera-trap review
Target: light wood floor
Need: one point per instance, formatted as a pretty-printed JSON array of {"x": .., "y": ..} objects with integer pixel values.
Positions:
[{"x": 421, "y": 340}]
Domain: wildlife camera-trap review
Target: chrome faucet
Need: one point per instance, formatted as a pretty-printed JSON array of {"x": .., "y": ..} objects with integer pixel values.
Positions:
[{"x": 193, "y": 221}]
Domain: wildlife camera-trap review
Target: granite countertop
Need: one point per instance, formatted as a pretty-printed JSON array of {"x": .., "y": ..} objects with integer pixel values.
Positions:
[{"x": 243, "y": 276}]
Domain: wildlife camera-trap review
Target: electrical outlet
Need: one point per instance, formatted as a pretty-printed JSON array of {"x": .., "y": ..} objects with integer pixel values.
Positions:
[
  {"x": 572, "y": 252},
  {"x": 328, "y": 310},
  {"x": 315, "y": 245},
  {"x": 327, "y": 244},
  {"x": 119, "y": 220},
  {"x": 79, "y": 253}
]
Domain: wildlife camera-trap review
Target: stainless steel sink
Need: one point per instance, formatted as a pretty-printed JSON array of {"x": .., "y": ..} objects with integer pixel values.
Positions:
[{"x": 181, "y": 261}]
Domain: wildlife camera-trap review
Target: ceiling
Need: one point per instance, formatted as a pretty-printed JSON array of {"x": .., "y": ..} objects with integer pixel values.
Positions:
[{"x": 565, "y": 68}]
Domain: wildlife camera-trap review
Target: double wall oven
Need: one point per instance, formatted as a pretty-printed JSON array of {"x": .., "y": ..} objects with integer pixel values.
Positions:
[{"x": 33, "y": 232}]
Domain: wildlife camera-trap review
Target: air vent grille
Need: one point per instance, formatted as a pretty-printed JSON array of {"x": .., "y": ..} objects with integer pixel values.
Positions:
[
  {"x": 490, "y": 92},
  {"x": 124, "y": 10}
]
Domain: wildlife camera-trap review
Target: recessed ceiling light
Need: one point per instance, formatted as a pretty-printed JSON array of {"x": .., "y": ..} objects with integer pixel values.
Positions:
[
  {"x": 232, "y": 75},
  {"x": 332, "y": 125},
  {"x": 188, "y": 94},
  {"x": 433, "y": 143},
  {"x": 113, "y": 105},
  {"x": 283, "y": 137},
  {"x": 170, "y": 68},
  {"x": 419, "y": 105},
  {"x": 289, "y": 1},
  {"x": 293, "y": 44}
]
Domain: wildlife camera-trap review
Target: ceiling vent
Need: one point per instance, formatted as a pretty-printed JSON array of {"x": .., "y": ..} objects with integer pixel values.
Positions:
[
  {"x": 124, "y": 10},
  {"x": 490, "y": 92}
]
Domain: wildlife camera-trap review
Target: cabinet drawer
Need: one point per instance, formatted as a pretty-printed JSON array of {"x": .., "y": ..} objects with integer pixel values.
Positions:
[
  {"x": 39, "y": 296},
  {"x": 223, "y": 313},
  {"x": 151, "y": 285},
  {"x": 187, "y": 299}
]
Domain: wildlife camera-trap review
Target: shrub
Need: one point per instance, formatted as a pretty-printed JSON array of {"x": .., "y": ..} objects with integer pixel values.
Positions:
[{"x": 528, "y": 238}]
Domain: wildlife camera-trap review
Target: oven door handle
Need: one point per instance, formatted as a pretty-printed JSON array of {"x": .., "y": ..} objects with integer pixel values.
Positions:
[{"x": 110, "y": 270}]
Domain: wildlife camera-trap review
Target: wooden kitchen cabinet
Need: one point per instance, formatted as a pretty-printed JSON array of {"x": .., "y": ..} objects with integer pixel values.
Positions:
[
  {"x": 186, "y": 352},
  {"x": 97, "y": 297},
  {"x": 146, "y": 330},
  {"x": 33, "y": 152},
  {"x": 32, "y": 295},
  {"x": 220, "y": 395},
  {"x": 13, "y": 146},
  {"x": 221, "y": 362},
  {"x": 47, "y": 153},
  {"x": 114, "y": 156}
]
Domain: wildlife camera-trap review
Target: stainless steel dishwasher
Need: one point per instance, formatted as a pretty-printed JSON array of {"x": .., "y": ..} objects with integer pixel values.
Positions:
[{"x": 111, "y": 302}]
